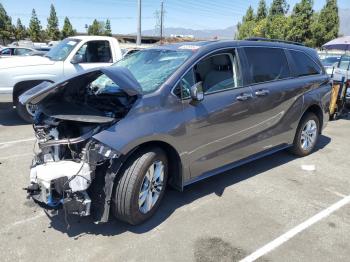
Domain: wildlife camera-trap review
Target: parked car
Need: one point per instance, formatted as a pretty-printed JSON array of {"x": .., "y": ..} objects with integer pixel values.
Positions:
[
  {"x": 342, "y": 69},
  {"x": 330, "y": 62},
  {"x": 116, "y": 137},
  {"x": 72, "y": 55},
  {"x": 16, "y": 51}
]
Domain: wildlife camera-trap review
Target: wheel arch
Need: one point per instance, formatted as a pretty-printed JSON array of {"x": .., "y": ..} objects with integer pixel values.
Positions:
[
  {"x": 175, "y": 172},
  {"x": 317, "y": 110},
  {"x": 23, "y": 86}
]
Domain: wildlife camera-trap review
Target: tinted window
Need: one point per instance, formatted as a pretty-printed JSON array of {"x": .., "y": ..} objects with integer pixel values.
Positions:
[
  {"x": 266, "y": 64},
  {"x": 216, "y": 73},
  {"x": 344, "y": 62},
  {"x": 304, "y": 64}
]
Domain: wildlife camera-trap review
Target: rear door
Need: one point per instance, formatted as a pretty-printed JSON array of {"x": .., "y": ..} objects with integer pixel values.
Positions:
[{"x": 275, "y": 95}]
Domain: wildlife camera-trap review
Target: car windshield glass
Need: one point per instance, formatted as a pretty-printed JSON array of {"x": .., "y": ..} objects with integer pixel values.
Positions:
[
  {"x": 62, "y": 50},
  {"x": 328, "y": 61},
  {"x": 153, "y": 66}
]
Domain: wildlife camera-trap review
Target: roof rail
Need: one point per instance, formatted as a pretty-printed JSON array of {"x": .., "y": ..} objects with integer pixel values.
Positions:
[{"x": 272, "y": 40}]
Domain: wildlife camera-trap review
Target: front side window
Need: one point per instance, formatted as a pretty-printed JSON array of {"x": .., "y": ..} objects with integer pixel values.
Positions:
[
  {"x": 151, "y": 67},
  {"x": 96, "y": 52},
  {"x": 344, "y": 62},
  {"x": 267, "y": 64},
  {"x": 61, "y": 51},
  {"x": 305, "y": 66},
  {"x": 216, "y": 73}
]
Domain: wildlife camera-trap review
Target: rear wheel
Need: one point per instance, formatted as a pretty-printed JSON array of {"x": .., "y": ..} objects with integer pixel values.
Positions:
[
  {"x": 307, "y": 135},
  {"x": 141, "y": 186}
]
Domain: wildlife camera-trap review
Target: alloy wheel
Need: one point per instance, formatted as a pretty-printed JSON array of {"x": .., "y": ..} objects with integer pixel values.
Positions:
[
  {"x": 151, "y": 187},
  {"x": 308, "y": 135}
]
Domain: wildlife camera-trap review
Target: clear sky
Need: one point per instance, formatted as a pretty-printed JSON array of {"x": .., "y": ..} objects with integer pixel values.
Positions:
[{"x": 200, "y": 14}]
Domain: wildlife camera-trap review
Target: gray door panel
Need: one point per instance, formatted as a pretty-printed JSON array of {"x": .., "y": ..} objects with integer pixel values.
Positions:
[{"x": 218, "y": 125}]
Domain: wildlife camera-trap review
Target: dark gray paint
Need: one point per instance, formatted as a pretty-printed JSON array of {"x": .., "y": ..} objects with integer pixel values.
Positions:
[{"x": 220, "y": 131}]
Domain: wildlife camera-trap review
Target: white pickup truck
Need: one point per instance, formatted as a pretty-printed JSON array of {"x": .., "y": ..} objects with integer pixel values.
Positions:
[{"x": 70, "y": 56}]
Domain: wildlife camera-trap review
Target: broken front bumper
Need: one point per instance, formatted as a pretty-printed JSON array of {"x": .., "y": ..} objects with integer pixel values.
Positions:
[{"x": 82, "y": 187}]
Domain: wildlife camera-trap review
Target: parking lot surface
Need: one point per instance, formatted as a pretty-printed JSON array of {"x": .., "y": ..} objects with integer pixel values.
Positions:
[{"x": 225, "y": 218}]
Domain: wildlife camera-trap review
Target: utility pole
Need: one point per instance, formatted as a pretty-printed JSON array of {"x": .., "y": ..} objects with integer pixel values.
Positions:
[
  {"x": 138, "y": 39},
  {"x": 161, "y": 21}
]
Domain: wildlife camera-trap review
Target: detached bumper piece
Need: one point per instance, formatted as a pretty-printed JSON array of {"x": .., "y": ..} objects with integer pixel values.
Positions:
[{"x": 62, "y": 184}]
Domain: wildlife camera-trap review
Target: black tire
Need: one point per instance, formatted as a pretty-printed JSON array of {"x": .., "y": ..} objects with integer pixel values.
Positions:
[
  {"x": 23, "y": 112},
  {"x": 297, "y": 148},
  {"x": 125, "y": 204}
]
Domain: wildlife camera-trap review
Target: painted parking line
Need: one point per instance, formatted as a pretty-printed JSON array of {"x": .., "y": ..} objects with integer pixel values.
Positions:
[
  {"x": 22, "y": 222},
  {"x": 296, "y": 230},
  {"x": 17, "y": 141},
  {"x": 15, "y": 156}
]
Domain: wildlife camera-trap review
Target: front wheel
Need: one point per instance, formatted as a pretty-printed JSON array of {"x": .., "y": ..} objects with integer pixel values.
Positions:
[
  {"x": 26, "y": 112},
  {"x": 140, "y": 186},
  {"x": 307, "y": 135}
]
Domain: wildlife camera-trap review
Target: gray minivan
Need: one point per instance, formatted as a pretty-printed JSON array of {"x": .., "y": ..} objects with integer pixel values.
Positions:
[{"x": 116, "y": 137}]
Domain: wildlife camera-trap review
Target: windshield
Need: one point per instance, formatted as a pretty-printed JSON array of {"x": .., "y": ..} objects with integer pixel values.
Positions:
[
  {"x": 153, "y": 66},
  {"x": 62, "y": 50},
  {"x": 328, "y": 61}
]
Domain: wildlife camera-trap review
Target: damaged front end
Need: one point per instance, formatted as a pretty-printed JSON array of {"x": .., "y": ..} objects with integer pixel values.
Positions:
[{"x": 71, "y": 169}]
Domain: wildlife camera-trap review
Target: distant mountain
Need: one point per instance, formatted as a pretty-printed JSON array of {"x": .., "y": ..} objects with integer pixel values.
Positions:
[
  {"x": 227, "y": 33},
  {"x": 344, "y": 15}
]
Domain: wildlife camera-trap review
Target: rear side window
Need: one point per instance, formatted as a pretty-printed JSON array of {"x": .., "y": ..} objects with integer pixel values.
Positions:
[
  {"x": 267, "y": 64},
  {"x": 305, "y": 66},
  {"x": 344, "y": 62}
]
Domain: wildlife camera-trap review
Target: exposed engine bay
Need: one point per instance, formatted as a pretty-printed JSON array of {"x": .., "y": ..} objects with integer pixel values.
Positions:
[{"x": 70, "y": 168}]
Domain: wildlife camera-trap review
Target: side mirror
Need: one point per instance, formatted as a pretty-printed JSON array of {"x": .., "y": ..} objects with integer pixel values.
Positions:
[
  {"x": 197, "y": 91},
  {"x": 77, "y": 59}
]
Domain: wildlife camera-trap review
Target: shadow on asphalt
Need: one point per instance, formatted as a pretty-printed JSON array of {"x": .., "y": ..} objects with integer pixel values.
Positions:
[
  {"x": 174, "y": 199},
  {"x": 9, "y": 116}
]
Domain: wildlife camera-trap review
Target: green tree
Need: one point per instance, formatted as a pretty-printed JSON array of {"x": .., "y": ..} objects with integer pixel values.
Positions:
[
  {"x": 262, "y": 11},
  {"x": 245, "y": 29},
  {"x": 52, "y": 25},
  {"x": 277, "y": 27},
  {"x": 6, "y": 28},
  {"x": 249, "y": 16},
  {"x": 278, "y": 7},
  {"x": 20, "y": 31},
  {"x": 67, "y": 29},
  {"x": 260, "y": 28},
  {"x": 300, "y": 22},
  {"x": 35, "y": 28},
  {"x": 97, "y": 28},
  {"x": 325, "y": 25},
  {"x": 108, "y": 29}
]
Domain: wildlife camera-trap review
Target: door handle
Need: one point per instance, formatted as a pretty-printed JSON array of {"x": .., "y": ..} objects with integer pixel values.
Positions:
[
  {"x": 262, "y": 92},
  {"x": 244, "y": 96}
]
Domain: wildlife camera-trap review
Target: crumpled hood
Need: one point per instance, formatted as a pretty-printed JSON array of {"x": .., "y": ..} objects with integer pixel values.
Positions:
[
  {"x": 120, "y": 75},
  {"x": 22, "y": 61}
]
